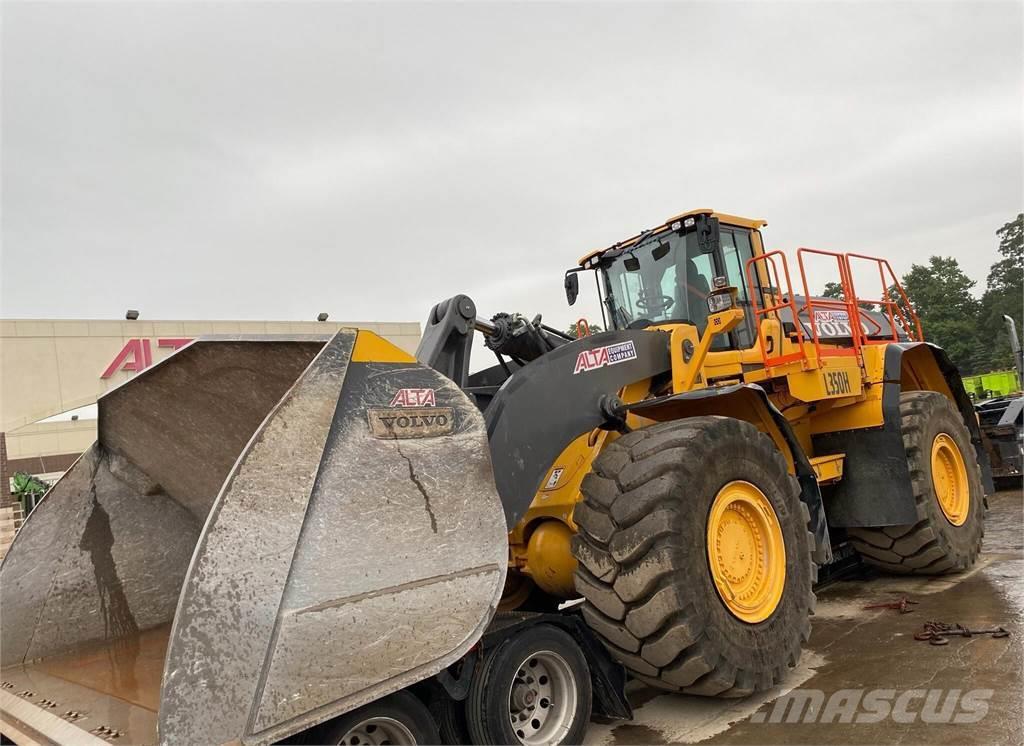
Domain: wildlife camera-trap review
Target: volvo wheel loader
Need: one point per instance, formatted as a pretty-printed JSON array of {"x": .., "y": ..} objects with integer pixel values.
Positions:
[
  {"x": 272, "y": 532},
  {"x": 697, "y": 463}
]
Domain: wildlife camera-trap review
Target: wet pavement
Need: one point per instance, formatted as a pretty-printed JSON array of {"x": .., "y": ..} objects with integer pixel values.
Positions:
[{"x": 875, "y": 682}]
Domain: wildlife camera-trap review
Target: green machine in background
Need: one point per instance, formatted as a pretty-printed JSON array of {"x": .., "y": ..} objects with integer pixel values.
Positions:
[
  {"x": 989, "y": 385},
  {"x": 1000, "y": 407}
]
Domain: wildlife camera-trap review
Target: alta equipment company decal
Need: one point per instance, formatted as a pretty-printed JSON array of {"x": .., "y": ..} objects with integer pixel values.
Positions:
[
  {"x": 602, "y": 356},
  {"x": 414, "y": 398},
  {"x": 832, "y": 323}
]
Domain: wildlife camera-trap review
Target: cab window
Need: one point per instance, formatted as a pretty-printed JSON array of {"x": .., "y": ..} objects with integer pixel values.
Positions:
[
  {"x": 668, "y": 278},
  {"x": 736, "y": 250},
  {"x": 664, "y": 278}
]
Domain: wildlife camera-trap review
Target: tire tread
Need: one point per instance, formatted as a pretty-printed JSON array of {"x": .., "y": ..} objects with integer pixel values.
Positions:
[
  {"x": 629, "y": 516},
  {"x": 923, "y": 547}
]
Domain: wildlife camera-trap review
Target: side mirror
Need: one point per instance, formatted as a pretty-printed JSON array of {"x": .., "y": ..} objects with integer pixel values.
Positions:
[
  {"x": 708, "y": 235},
  {"x": 572, "y": 286}
]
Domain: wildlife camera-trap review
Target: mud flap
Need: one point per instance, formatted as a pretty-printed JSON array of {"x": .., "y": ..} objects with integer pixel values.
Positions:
[{"x": 354, "y": 543}]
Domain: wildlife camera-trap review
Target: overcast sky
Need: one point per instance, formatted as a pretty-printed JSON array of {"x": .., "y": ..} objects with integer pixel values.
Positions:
[{"x": 273, "y": 161}]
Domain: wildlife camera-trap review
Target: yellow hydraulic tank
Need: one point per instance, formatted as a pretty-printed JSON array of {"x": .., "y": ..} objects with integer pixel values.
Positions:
[{"x": 549, "y": 559}]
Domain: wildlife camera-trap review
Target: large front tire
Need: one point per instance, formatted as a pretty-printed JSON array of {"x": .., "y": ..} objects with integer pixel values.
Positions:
[
  {"x": 948, "y": 495},
  {"x": 721, "y": 618}
]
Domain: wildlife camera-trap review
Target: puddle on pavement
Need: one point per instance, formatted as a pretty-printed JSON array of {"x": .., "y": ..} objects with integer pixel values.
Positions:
[
  {"x": 874, "y": 648},
  {"x": 661, "y": 717},
  {"x": 1004, "y": 534},
  {"x": 1001, "y": 552}
]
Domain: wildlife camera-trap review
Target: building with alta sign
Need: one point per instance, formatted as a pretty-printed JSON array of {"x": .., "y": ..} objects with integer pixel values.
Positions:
[{"x": 50, "y": 367}]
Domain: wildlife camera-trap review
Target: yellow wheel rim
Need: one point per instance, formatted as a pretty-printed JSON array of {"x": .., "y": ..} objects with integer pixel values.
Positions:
[
  {"x": 746, "y": 553},
  {"x": 949, "y": 479}
]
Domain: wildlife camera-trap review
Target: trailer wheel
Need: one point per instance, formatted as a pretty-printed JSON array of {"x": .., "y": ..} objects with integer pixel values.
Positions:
[
  {"x": 694, "y": 557},
  {"x": 948, "y": 495},
  {"x": 399, "y": 719},
  {"x": 532, "y": 688},
  {"x": 450, "y": 716}
]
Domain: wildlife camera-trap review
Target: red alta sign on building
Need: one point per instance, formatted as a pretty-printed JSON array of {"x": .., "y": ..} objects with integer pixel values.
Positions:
[{"x": 137, "y": 354}]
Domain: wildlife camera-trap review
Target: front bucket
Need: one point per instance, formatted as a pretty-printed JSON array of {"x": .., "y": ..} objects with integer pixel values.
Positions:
[{"x": 302, "y": 524}]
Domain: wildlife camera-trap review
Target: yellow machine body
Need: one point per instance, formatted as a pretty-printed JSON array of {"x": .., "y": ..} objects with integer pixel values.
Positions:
[{"x": 820, "y": 386}]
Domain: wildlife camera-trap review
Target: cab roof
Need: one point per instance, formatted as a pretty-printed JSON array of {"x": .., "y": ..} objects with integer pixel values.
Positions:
[{"x": 752, "y": 223}]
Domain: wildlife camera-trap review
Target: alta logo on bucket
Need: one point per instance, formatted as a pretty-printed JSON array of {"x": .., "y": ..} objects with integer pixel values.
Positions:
[
  {"x": 414, "y": 398},
  {"x": 602, "y": 356}
]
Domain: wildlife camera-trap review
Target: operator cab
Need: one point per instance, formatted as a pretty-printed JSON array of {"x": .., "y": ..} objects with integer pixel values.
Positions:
[{"x": 665, "y": 275}]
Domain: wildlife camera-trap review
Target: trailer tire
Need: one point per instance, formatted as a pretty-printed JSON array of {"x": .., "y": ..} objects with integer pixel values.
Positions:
[
  {"x": 656, "y": 587},
  {"x": 948, "y": 495},
  {"x": 450, "y": 716},
  {"x": 538, "y": 677},
  {"x": 401, "y": 716}
]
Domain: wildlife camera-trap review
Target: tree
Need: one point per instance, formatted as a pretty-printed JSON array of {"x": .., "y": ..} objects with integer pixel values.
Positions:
[
  {"x": 940, "y": 294},
  {"x": 574, "y": 333},
  {"x": 28, "y": 489},
  {"x": 1004, "y": 295},
  {"x": 832, "y": 290}
]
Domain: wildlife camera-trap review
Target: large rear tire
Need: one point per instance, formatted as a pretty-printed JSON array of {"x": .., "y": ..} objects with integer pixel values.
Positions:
[
  {"x": 723, "y": 617},
  {"x": 948, "y": 495}
]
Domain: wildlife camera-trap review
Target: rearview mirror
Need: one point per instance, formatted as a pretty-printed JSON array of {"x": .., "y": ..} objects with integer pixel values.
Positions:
[{"x": 572, "y": 286}]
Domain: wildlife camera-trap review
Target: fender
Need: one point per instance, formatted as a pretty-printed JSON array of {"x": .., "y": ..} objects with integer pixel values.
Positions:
[
  {"x": 810, "y": 492},
  {"x": 878, "y": 492},
  {"x": 549, "y": 402}
]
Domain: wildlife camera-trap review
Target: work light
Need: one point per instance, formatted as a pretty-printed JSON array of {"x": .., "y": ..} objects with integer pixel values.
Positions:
[{"x": 720, "y": 300}]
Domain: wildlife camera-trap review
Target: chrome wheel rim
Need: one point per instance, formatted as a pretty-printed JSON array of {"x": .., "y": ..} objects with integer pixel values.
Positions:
[
  {"x": 542, "y": 699},
  {"x": 379, "y": 731}
]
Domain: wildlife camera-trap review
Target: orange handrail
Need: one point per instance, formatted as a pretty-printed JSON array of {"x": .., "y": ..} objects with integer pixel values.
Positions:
[
  {"x": 848, "y": 304},
  {"x": 910, "y": 326},
  {"x": 772, "y": 275},
  {"x": 901, "y": 315}
]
